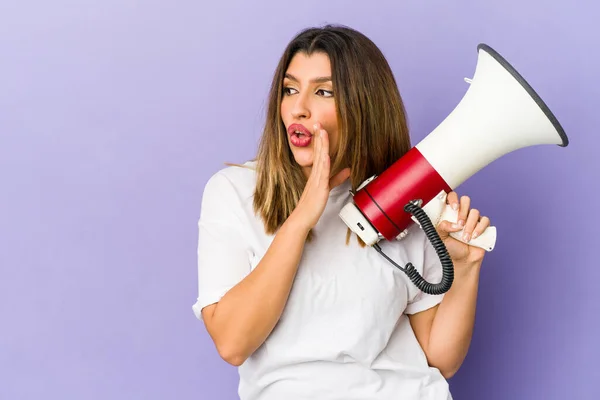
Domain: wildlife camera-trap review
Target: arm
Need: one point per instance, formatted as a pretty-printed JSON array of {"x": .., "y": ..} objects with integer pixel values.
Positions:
[
  {"x": 444, "y": 331},
  {"x": 241, "y": 321},
  {"x": 247, "y": 313}
]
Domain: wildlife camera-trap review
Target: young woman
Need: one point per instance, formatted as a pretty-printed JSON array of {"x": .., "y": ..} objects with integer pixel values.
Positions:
[{"x": 286, "y": 292}]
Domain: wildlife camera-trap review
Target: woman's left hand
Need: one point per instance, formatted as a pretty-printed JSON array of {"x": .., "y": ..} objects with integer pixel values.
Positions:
[{"x": 473, "y": 223}]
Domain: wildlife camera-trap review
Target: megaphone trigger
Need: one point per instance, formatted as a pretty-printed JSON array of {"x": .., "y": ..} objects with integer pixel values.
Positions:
[{"x": 486, "y": 241}]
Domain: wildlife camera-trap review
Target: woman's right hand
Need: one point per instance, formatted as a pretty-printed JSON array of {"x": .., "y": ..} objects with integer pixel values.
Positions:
[{"x": 316, "y": 192}]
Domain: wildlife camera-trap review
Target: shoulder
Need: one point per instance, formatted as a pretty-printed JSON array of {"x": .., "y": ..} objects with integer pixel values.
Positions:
[{"x": 238, "y": 180}]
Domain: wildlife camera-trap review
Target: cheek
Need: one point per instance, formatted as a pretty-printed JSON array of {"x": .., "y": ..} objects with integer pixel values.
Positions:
[
  {"x": 283, "y": 111},
  {"x": 329, "y": 120}
]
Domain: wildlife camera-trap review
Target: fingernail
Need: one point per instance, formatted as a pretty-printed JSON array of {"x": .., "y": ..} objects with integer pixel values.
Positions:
[
  {"x": 461, "y": 223},
  {"x": 466, "y": 237},
  {"x": 474, "y": 235},
  {"x": 315, "y": 127},
  {"x": 455, "y": 206},
  {"x": 455, "y": 226}
]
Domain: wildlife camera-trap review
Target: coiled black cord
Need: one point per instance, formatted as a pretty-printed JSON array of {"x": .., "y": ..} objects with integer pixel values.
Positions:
[{"x": 440, "y": 249}]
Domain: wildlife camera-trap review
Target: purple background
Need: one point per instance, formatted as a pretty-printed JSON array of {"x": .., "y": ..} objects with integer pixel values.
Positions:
[{"x": 113, "y": 114}]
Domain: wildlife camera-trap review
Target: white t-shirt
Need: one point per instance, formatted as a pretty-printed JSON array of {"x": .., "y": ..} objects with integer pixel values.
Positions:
[{"x": 344, "y": 333}]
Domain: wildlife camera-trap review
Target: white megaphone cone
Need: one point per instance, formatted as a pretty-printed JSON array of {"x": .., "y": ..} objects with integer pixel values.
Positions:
[{"x": 499, "y": 113}]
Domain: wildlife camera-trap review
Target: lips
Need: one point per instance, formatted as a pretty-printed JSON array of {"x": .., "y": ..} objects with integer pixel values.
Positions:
[
  {"x": 298, "y": 129},
  {"x": 299, "y": 135}
]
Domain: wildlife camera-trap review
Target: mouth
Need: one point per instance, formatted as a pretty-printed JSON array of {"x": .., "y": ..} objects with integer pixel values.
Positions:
[{"x": 299, "y": 131}]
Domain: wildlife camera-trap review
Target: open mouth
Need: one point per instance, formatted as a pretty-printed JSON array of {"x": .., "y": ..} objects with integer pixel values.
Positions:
[
  {"x": 299, "y": 131},
  {"x": 299, "y": 135}
]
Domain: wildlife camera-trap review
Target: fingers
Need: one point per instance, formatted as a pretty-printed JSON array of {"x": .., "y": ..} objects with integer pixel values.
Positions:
[
  {"x": 316, "y": 152},
  {"x": 452, "y": 199},
  {"x": 446, "y": 227},
  {"x": 321, "y": 154},
  {"x": 471, "y": 221},
  {"x": 481, "y": 226},
  {"x": 325, "y": 150},
  {"x": 463, "y": 210}
]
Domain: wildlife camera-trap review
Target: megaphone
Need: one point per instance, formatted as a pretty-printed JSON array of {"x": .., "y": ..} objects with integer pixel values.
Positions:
[{"x": 499, "y": 113}]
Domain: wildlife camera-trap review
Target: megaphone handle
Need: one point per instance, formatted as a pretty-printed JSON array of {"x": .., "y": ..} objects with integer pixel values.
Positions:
[{"x": 487, "y": 239}]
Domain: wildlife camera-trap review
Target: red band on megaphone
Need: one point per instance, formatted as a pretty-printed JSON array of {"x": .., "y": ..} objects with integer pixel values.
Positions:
[{"x": 410, "y": 178}]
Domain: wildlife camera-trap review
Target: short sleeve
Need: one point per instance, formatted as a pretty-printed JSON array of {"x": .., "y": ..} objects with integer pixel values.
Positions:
[
  {"x": 432, "y": 272},
  {"x": 222, "y": 255}
]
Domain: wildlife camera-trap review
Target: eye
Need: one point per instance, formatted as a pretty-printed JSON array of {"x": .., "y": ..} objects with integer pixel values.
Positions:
[
  {"x": 288, "y": 91},
  {"x": 325, "y": 93}
]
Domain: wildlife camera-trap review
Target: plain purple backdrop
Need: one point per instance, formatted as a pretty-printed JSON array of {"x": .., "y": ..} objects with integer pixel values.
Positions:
[{"x": 113, "y": 115}]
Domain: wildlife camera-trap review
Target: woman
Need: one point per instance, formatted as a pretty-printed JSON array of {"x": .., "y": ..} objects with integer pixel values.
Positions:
[{"x": 305, "y": 310}]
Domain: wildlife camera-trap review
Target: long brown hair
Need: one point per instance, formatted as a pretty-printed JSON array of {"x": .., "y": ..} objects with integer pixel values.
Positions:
[{"x": 372, "y": 124}]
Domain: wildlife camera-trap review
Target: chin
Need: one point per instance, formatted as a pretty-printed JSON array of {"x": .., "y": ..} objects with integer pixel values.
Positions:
[
  {"x": 303, "y": 163},
  {"x": 303, "y": 158}
]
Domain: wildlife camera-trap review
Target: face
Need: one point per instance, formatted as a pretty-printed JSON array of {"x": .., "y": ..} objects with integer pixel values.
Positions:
[{"x": 308, "y": 99}]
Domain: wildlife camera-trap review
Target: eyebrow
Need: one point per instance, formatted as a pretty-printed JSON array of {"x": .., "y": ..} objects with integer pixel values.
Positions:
[{"x": 321, "y": 79}]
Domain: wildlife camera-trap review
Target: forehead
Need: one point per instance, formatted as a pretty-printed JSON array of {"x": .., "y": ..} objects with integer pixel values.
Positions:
[{"x": 303, "y": 66}]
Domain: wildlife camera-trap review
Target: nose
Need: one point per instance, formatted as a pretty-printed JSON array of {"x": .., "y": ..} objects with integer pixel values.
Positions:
[{"x": 301, "y": 108}]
